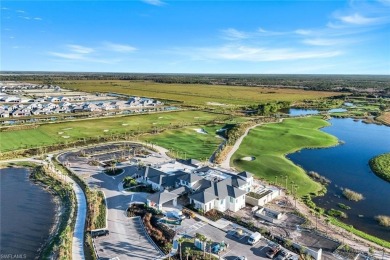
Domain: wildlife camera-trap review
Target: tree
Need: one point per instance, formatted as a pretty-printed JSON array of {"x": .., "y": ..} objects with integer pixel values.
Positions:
[
  {"x": 209, "y": 243},
  {"x": 180, "y": 240},
  {"x": 187, "y": 252},
  {"x": 168, "y": 247}
]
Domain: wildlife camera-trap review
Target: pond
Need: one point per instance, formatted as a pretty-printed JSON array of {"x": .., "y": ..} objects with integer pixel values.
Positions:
[
  {"x": 299, "y": 111},
  {"x": 346, "y": 165},
  {"x": 27, "y": 214}
]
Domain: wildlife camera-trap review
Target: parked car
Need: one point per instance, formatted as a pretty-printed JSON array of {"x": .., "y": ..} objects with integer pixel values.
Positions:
[
  {"x": 272, "y": 251},
  {"x": 99, "y": 233},
  {"x": 282, "y": 255},
  {"x": 254, "y": 238},
  {"x": 175, "y": 214}
]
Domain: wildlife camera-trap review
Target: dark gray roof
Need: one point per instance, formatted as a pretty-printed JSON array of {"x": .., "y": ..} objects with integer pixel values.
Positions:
[
  {"x": 203, "y": 196},
  {"x": 202, "y": 185},
  {"x": 150, "y": 172},
  {"x": 224, "y": 188},
  {"x": 204, "y": 169},
  {"x": 245, "y": 174},
  {"x": 190, "y": 162},
  {"x": 190, "y": 177},
  {"x": 234, "y": 192},
  {"x": 237, "y": 182},
  {"x": 179, "y": 191},
  {"x": 162, "y": 197}
]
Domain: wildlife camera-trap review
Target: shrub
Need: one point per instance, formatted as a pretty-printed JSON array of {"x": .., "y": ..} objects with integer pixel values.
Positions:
[
  {"x": 383, "y": 220},
  {"x": 352, "y": 195},
  {"x": 336, "y": 213},
  {"x": 343, "y": 206}
]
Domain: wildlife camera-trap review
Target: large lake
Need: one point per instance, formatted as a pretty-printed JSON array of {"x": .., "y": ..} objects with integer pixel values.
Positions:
[
  {"x": 26, "y": 216},
  {"x": 347, "y": 166}
]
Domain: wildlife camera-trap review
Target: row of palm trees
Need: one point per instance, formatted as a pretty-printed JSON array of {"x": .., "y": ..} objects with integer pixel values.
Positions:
[{"x": 187, "y": 250}]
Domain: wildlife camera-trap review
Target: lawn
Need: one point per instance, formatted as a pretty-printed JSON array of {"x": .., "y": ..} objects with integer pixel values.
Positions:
[
  {"x": 55, "y": 133},
  {"x": 196, "y": 94},
  {"x": 187, "y": 142},
  {"x": 270, "y": 143}
]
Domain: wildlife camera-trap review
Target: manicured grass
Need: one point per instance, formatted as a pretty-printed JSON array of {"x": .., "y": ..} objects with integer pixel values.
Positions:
[
  {"x": 71, "y": 131},
  {"x": 187, "y": 143},
  {"x": 380, "y": 165},
  {"x": 270, "y": 143},
  {"x": 196, "y": 94}
]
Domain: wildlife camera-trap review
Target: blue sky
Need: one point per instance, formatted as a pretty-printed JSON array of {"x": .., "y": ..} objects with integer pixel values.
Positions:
[{"x": 303, "y": 37}]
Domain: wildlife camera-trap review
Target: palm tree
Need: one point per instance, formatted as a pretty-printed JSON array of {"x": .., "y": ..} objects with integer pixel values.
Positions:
[
  {"x": 209, "y": 242},
  {"x": 168, "y": 247},
  {"x": 203, "y": 239},
  {"x": 187, "y": 252},
  {"x": 180, "y": 240}
]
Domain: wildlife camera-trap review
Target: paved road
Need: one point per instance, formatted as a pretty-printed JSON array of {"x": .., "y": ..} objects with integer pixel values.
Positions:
[
  {"x": 125, "y": 241},
  {"x": 226, "y": 163}
]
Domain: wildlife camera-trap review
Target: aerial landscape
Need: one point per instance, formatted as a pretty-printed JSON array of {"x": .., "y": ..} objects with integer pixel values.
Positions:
[{"x": 232, "y": 130}]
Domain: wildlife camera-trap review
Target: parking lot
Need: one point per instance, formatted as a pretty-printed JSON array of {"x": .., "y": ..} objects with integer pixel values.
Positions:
[
  {"x": 130, "y": 243},
  {"x": 238, "y": 246}
]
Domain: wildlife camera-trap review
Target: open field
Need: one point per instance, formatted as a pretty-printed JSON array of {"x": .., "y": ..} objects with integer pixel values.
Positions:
[
  {"x": 385, "y": 118},
  {"x": 196, "y": 94},
  {"x": 187, "y": 142},
  {"x": 55, "y": 133},
  {"x": 270, "y": 143}
]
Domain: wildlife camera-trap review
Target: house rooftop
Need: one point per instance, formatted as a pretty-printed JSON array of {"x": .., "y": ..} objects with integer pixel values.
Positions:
[
  {"x": 203, "y": 196},
  {"x": 162, "y": 197},
  {"x": 190, "y": 177}
]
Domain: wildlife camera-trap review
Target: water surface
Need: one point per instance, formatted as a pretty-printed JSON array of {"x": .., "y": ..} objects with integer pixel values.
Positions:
[
  {"x": 347, "y": 166},
  {"x": 26, "y": 215}
]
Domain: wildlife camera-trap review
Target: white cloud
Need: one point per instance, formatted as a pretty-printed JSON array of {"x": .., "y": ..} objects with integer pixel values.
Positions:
[
  {"x": 303, "y": 32},
  {"x": 357, "y": 19},
  {"x": 323, "y": 42},
  {"x": 69, "y": 56},
  {"x": 20, "y": 11},
  {"x": 256, "y": 54},
  {"x": 38, "y": 18},
  {"x": 233, "y": 34},
  {"x": 119, "y": 47},
  {"x": 79, "y": 49},
  {"x": 154, "y": 2}
]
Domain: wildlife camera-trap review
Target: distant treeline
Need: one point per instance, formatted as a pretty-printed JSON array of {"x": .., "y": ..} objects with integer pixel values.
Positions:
[{"x": 363, "y": 84}]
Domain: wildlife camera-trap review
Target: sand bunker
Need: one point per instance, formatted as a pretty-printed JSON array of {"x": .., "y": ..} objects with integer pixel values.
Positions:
[
  {"x": 106, "y": 130},
  {"x": 125, "y": 124},
  {"x": 248, "y": 158},
  {"x": 200, "y": 131},
  {"x": 215, "y": 104},
  {"x": 160, "y": 117},
  {"x": 60, "y": 133},
  {"x": 65, "y": 136}
]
